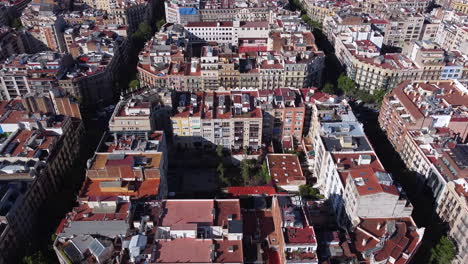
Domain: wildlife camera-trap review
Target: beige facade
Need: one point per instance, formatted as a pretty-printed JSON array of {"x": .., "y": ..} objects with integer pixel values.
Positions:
[
  {"x": 131, "y": 115},
  {"x": 402, "y": 29},
  {"x": 453, "y": 209}
]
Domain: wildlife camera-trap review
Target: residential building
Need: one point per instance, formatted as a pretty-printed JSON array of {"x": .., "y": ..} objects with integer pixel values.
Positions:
[
  {"x": 428, "y": 57},
  {"x": 318, "y": 10},
  {"x": 127, "y": 165},
  {"x": 405, "y": 108},
  {"x": 460, "y": 5},
  {"x": 452, "y": 36},
  {"x": 199, "y": 231},
  {"x": 401, "y": 29},
  {"x": 300, "y": 242},
  {"x": 453, "y": 209},
  {"x": 285, "y": 171},
  {"x": 231, "y": 119},
  {"x": 26, "y": 73},
  {"x": 11, "y": 42},
  {"x": 34, "y": 159},
  {"x": 250, "y": 55},
  {"x": 284, "y": 115},
  {"x": 387, "y": 239}
]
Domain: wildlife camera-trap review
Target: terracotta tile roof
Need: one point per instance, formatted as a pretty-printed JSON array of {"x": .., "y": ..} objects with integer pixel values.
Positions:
[
  {"x": 251, "y": 190},
  {"x": 226, "y": 209},
  {"x": 184, "y": 250},
  {"x": 295, "y": 235},
  {"x": 92, "y": 191},
  {"x": 223, "y": 249},
  {"x": 285, "y": 168},
  {"x": 371, "y": 183},
  {"x": 180, "y": 212},
  {"x": 404, "y": 239}
]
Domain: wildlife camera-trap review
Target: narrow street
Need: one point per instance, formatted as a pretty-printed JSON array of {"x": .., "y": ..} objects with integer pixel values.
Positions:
[{"x": 423, "y": 213}]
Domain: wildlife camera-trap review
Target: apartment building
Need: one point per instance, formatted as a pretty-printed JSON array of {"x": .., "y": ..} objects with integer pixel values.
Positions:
[
  {"x": 419, "y": 105},
  {"x": 460, "y": 5},
  {"x": 394, "y": 5},
  {"x": 183, "y": 12},
  {"x": 133, "y": 115},
  {"x": 420, "y": 151},
  {"x": 26, "y": 73},
  {"x": 285, "y": 171},
  {"x": 128, "y": 165},
  {"x": 259, "y": 58},
  {"x": 452, "y": 163},
  {"x": 228, "y": 32},
  {"x": 201, "y": 231},
  {"x": 453, "y": 210},
  {"x": 318, "y": 10},
  {"x": 401, "y": 29},
  {"x": 33, "y": 161},
  {"x": 452, "y": 36},
  {"x": 387, "y": 239},
  {"x": 300, "y": 242},
  {"x": 284, "y": 112},
  {"x": 11, "y": 42},
  {"x": 361, "y": 192},
  {"x": 349, "y": 172},
  {"x": 428, "y": 57},
  {"x": 231, "y": 119},
  {"x": 335, "y": 25},
  {"x": 367, "y": 67},
  {"x": 89, "y": 231},
  {"x": 46, "y": 28}
]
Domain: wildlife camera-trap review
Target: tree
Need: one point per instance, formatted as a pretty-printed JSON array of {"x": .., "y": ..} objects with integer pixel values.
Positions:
[
  {"x": 134, "y": 84},
  {"x": 346, "y": 85},
  {"x": 328, "y": 88},
  {"x": 221, "y": 174},
  {"x": 16, "y": 23},
  {"x": 265, "y": 173},
  {"x": 160, "y": 23},
  {"x": 245, "y": 171},
  {"x": 36, "y": 258},
  {"x": 309, "y": 192},
  {"x": 379, "y": 95},
  {"x": 443, "y": 252},
  {"x": 219, "y": 151},
  {"x": 145, "y": 30}
]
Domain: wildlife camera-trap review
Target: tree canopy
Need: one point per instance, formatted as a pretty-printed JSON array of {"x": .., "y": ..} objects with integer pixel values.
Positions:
[
  {"x": 443, "y": 252},
  {"x": 134, "y": 84},
  {"x": 346, "y": 85},
  {"x": 309, "y": 192},
  {"x": 328, "y": 88}
]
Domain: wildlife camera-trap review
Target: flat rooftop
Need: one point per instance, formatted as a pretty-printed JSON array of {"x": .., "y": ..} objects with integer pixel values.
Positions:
[
  {"x": 188, "y": 212},
  {"x": 121, "y": 142},
  {"x": 184, "y": 250},
  {"x": 284, "y": 168},
  {"x": 146, "y": 160}
]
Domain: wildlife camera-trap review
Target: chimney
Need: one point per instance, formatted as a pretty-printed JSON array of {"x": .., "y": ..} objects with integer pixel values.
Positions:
[
  {"x": 379, "y": 225},
  {"x": 364, "y": 242}
]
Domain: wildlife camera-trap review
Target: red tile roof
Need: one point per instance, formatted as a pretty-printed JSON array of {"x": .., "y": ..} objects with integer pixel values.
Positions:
[
  {"x": 223, "y": 249},
  {"x": 181, "y": 212},
  {"x": 285, "y": 168},
  {"x": 251, "y": 190},
  {"x": 91, "y": 189},
  {"x": 184, "y": 250},
  {"x": 295, "y": 235},
  {"x": 226, "y": 209}
]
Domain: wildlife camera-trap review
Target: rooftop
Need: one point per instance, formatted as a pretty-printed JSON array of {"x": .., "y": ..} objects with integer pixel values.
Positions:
[
  {"x": 285, "y": 169},
  {"x": 126, "y": 142}
]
